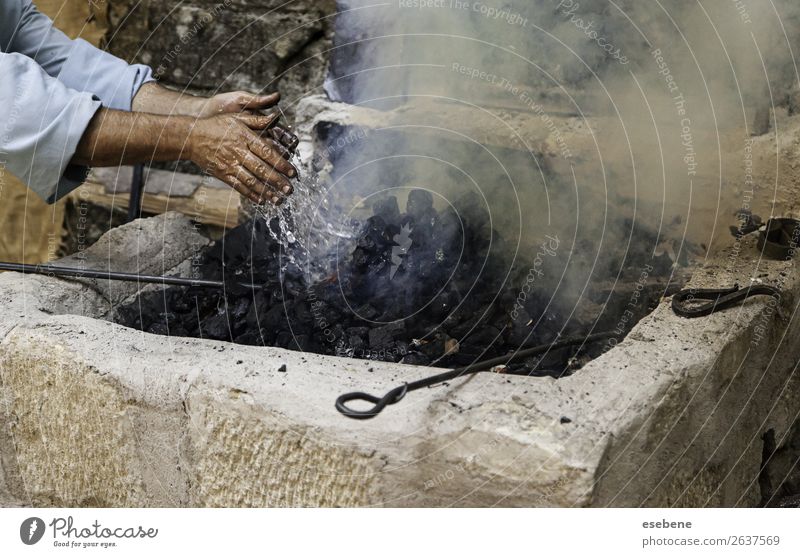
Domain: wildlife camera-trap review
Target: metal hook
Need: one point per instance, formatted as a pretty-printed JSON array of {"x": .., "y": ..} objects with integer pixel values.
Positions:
[
  {"x": 392, "y": 397},
  {"x": 396, "y": 395},
  {"x": 719, "y": 299}
]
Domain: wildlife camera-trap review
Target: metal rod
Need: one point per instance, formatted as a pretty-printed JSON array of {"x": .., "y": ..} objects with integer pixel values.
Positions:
[
  {"x": 396, "y": 395},
  {"x": 53, "y": 270},
  {"x": 137, "y": 193}
]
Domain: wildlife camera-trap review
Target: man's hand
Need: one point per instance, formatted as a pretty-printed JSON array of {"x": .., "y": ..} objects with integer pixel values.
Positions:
[
  {"x": 155, "y": 99},
  {"x": 233, "y": 103},
  {"x": 230, "y": 148},
  {"x": 240, "y": 102},
  {"x": 236, "y": 148}
]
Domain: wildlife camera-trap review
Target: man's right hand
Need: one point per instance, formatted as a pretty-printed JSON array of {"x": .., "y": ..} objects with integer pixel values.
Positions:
[{"x": 230, "y": 148}]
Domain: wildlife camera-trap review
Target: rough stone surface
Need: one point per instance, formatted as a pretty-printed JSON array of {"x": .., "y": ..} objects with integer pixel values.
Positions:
[
  {"x": 213, "y": 46},
  {"x": 97, "y": 414}
]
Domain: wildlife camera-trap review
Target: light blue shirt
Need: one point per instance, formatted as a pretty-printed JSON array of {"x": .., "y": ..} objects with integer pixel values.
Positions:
[{"x": 50, "y": 88}]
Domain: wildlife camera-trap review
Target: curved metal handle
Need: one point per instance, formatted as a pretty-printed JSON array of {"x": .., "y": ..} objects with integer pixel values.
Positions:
[
  {"x": 720, "y": 298},
  {"x": 392, "y": 397}
]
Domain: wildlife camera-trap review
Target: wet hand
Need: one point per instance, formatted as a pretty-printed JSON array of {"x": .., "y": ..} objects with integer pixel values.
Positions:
[
  {"x": 235, "y": 103},
  {"x": 239, "y": 149},
  {"x": 240, "y": 102}
]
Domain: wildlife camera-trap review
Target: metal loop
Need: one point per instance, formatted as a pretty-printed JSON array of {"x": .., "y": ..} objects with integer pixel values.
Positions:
[
  {"x": 392, "y": 397},
  {"x": 684, "y": 303}
]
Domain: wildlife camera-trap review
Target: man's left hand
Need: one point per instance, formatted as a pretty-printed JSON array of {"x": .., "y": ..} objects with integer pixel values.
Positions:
[
  {"x": 236, "y": 102},
  {"x": 155, "y": 99}
]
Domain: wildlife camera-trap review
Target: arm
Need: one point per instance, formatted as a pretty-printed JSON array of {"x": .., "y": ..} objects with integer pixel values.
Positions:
[
  {"x": 42, "y": 125},
  {"x": 227, "y": 146},
  {"x": 47, "y": 126},
  {"x": 155, "y": 99},
  {"x": 77, "y": 64}
]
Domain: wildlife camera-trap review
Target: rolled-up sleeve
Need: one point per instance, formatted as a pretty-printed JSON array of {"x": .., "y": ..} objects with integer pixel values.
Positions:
[
  {"x": 50, "y": 88},
  {"x": 42, "y": 123},
  {"x": 76, "y": 63}
]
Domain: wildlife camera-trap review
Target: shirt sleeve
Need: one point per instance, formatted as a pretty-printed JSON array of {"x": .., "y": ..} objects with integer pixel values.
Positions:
[
  {"x": 76, "y": 63},
  {"x": 42, "y": 123}
]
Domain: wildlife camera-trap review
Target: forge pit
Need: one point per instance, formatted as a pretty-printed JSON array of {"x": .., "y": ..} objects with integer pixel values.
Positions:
[{"x": 674, "y": 415}]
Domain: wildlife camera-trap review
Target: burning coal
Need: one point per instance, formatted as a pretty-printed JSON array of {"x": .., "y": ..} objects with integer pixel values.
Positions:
[{"x": 419, "y": 286}]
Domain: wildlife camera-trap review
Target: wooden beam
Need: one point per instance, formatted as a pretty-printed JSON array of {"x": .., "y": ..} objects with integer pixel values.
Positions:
[{"x": 208, "y": 205}]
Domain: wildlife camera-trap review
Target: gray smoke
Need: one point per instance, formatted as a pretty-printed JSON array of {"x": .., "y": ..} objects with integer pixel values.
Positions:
[{"x": 571, "y": 118}]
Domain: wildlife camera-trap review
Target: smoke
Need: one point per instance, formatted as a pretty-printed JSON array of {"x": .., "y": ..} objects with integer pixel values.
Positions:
[{"x": 586, "y": 120}]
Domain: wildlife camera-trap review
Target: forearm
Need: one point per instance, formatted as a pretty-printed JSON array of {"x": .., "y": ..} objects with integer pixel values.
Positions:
[
  {"x": 116, "y": 138},
  {"x": 155, "y": 99}
]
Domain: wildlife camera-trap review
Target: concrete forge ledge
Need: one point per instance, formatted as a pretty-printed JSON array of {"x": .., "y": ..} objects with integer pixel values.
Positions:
[{"x": 92, "y": 413}]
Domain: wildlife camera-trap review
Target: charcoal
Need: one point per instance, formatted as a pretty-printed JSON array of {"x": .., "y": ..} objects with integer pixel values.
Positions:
[
  {"x": 384, "y": 336},
  {"x": 419, "y": 274},
  {"x": 471, "y": 208},
  {"x": 216, "y": 327},
  {"x": 361, "y": 332},
  {"x": 158, "y": 329},
  {"x": 251, "y": 337},
  {"x": 240, "y": 308},
  {"x": 357, "y": 343},
  {"x": 415, "y": 359},
  {"x": 420, "y": 203},
  {"x": 466, "y": 358},
  {"x": 251, "y": 318},
  {"x": 284, "y": 338},
  {"x": 400, "y": 348},
  {"x": 299, "y": 343},
  {"x": 367, "y": 312},
  {"x": 387, "y": 209},
  {"x": 517, "y": 335},
  {"x": 434, "y": 348},
  {"x": 274, "y": 319},
  {"x": 484, "y": 336}
]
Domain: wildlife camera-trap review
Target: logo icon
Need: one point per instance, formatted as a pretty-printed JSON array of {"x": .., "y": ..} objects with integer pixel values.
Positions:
[{"x": 32, "y": 530}]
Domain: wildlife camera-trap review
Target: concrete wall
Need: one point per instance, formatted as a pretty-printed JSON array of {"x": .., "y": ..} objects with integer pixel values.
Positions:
[{"x": 97, "y": 414}]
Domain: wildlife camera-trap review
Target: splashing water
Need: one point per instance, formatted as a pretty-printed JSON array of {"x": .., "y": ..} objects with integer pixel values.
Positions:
[{"x": 304, "y": 225}]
